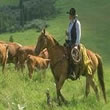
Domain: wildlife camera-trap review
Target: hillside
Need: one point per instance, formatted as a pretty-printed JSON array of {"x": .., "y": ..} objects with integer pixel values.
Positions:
[{"x": 16, "y": 88}]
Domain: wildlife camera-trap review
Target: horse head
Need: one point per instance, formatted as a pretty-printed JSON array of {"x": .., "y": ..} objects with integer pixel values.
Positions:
[
  {"x": 41, "y": 43},
  {"x": 45, "y": 40}
]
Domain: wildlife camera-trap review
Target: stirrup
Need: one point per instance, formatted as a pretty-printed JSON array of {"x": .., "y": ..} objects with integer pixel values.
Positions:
[{"x": 72, "y": 76}]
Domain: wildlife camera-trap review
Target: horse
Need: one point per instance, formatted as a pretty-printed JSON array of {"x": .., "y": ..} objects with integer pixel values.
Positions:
[{"x": 59, "y": 65}]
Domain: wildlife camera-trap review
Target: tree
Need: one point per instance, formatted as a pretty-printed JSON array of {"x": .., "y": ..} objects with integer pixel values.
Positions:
[
  {"x": 14, "y": 17},
  {"x": 21, "y": 6}
]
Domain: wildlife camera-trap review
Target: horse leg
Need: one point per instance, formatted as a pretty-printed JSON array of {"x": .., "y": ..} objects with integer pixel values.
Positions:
[
  {"x": 87, "y": 86},
  {"x": 58, "y": 95},
  {"x": 93, "y": 85},
  {"x": 59, "y": 85}
]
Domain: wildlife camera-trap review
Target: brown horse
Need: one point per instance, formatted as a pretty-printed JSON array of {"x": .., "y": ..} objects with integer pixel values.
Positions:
[{"x": 59, "y": 65}]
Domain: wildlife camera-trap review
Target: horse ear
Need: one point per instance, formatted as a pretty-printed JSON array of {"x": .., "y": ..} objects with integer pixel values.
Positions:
[{"x": 43, "y": 31}]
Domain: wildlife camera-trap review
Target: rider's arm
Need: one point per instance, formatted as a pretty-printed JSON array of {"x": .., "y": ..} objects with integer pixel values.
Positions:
[{"x": 78, "y": 32}]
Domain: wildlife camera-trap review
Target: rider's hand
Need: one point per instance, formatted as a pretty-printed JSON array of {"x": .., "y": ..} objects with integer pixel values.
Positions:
[
  {"x": 64, "y": 44},
  {"x": 76, "y": 47}
]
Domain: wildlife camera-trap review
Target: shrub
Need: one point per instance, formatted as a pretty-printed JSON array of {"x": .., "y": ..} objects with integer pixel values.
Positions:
[
  {"x": 37, "y": 24},
  {"x": 26, "y": 15}
]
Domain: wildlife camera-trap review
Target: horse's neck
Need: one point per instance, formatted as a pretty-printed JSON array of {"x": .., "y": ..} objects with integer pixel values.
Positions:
[{"x": 55, "y": 51}]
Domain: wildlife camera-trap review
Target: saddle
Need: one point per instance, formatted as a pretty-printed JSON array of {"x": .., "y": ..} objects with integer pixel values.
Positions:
[{"x": 78, "y": 60}]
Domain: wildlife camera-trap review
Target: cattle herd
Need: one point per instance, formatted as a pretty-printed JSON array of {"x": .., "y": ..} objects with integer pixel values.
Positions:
[{"x": 12, "y": 52}]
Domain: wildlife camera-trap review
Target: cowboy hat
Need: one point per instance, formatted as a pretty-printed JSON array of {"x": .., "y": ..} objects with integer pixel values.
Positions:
[{"x": 72, "y": 12}]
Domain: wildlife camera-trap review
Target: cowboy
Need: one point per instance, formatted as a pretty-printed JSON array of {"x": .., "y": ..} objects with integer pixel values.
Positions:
[{"x": 73, "y": 34}]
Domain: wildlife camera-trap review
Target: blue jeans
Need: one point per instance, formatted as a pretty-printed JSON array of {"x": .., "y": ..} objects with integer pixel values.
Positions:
[{"x": 69, "y": 43}]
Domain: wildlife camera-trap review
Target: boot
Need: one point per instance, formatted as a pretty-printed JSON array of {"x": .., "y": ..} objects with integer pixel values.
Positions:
[{"x": 72, "y": 74}]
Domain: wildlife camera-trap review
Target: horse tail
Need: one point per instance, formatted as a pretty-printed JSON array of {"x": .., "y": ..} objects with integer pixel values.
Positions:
[{"x": 101, "y": 76}]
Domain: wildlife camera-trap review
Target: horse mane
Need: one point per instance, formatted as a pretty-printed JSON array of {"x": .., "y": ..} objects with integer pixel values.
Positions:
[
  {"x": 52, "y": 38},
  {"x": 55, "y": 42}
]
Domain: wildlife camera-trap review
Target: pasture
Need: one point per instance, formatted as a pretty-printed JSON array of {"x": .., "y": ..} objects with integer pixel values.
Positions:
[{"x": 17, "y": 90}]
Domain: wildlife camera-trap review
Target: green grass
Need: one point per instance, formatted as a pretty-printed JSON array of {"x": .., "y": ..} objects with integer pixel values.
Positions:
[
  {"x": 16, "y": 88},
  {"x": 25, "y": 38}
]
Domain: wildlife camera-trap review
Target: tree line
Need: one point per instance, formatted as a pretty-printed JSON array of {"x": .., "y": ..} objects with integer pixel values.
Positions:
[{"x": 26, "y": 14}]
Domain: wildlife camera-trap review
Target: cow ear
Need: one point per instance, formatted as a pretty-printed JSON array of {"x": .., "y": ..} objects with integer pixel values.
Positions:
[{"x": 43, "y": 31}]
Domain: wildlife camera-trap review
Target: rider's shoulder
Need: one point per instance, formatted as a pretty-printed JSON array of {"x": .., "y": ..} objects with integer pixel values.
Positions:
[{"x": 77, "y": 21}]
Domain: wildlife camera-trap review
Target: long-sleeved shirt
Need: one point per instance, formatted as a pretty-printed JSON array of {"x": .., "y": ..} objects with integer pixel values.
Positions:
[{"x": 78, "y": 31}]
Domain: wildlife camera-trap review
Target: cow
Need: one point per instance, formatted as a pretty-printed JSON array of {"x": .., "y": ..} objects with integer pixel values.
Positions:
[
  {"x": 3, "y": 55},
  {"x": 2, "y": 42},
  {"x": 12, "y": 52},
  {"x": 22, "y": 54},
  {"x": 38, "y": 62},
  {"x": 44, "y": 54}
]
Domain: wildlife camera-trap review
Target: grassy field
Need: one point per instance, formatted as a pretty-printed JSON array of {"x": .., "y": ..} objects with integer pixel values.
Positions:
[{"x": 16, "y": 89}]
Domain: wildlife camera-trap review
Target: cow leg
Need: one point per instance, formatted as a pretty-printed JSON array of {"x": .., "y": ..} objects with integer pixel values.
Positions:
[
  {"x": 3, "y": 67},
  {"x": 4, "y": 63},
  {"x": 22, "y": 67},
  {"x": 31, "y": 69},
  {"x": 21, "y": 64},
  {"x": 16, "y": 64},
  {"x": 44, "y": 74},
  {"x": 30, "y": 73}
]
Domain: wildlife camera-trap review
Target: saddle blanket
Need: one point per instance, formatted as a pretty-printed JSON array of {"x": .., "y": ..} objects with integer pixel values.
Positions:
[{"x": 85, "y": 59}]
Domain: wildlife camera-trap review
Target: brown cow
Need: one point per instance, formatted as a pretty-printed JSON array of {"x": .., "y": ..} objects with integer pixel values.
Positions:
[
  {"x": 44, "y": 54},
  {"x": 22, "y": 54},
  {"x": 3, "y": 55},
  {"x": 2, "y": 42},
  {"x": 36, "y": 62},
  {"x": 12, "y": 54},
  {"x": 12, "y": 51}
]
